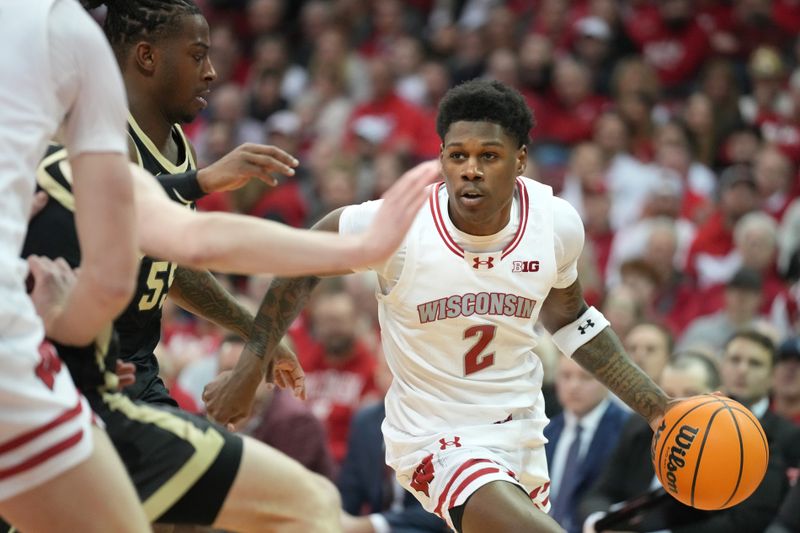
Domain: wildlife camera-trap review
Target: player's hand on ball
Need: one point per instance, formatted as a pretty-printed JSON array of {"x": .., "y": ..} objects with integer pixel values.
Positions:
[{"x": 247, "y": 161}]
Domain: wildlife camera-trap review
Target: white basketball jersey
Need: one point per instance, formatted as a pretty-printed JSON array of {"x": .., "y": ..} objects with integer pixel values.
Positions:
[
  {"x": 29, "y": 115},
  {"x": 458, "y": 327}
]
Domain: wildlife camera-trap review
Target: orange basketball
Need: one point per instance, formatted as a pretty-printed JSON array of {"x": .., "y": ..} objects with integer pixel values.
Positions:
[{"x": 710, "y": 452}]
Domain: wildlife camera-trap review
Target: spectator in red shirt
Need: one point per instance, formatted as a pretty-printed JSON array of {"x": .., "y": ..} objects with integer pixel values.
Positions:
[
  {"x": 395, "y": 120},
  {"x": 570, "y": 114},
  {"x": 710, "y": 258},
  {"x": 670, "y": 39},
  {"x": 774, "y": 174},
  {"x": 340, "y": 370}
]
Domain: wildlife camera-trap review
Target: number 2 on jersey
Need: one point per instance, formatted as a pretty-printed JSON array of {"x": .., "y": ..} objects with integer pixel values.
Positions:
[
  {"x": 473, "y": 359},
  {"x": 158, "y": 281}
]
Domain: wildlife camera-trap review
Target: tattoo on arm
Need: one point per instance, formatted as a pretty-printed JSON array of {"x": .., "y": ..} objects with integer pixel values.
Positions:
[
  {"x": 202, "y": 294},
  {"x": 284, "y": 300},
  {"x": 605, "y": 357}
]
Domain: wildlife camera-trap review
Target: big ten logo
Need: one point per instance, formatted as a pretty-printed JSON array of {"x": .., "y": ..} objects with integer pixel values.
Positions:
[
  {"x": 525, "y": 266},
  {"x": 676, "y": 461}
]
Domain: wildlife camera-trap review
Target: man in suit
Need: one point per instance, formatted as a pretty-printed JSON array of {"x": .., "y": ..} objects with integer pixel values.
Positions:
[
  {"x": 368, "y": 485},
  {"x": 745, "y": 371},
  {"x": 580, "y": 439}
]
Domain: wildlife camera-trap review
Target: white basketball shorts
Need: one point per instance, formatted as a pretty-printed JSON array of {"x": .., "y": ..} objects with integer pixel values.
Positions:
[
  {"x": 45, "y": 424},
  {"x": 452, "y": 466}
]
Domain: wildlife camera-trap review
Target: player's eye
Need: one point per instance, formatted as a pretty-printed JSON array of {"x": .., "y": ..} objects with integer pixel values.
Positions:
[
  {"x": 457, "y": 156},
  {"x": 489, "y": 156}
]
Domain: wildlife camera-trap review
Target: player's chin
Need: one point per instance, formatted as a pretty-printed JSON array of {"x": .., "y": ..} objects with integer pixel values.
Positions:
[{"x": 189, "y": 115}]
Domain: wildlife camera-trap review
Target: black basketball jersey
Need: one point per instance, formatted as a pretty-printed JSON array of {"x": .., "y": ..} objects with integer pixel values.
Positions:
[
  {"x": 139, "y": 326},
  {"x": 52, "y": 234}
]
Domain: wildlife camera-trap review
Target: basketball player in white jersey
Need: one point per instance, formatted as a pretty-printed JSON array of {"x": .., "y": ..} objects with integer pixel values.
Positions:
[
  {"x": 490, "y": 254},
  {"x": 49, "y": 450},
  {"x": 58, "y": 70}
]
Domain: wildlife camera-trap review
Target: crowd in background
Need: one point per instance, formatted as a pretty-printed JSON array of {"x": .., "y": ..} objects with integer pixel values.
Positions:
[{"x": 672, "y": 126}]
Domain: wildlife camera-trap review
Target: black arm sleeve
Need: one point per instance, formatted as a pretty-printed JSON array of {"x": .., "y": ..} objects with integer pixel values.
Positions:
[{"x": 185, "y": 185}]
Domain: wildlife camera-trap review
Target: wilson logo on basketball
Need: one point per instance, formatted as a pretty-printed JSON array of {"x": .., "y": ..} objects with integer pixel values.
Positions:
[
  {"x": 525, "y": 266},
  {"x": 683, "y": 441}
]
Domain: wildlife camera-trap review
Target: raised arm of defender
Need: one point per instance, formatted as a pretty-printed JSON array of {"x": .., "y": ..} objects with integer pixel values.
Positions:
[{"x": 247, "y": 245}]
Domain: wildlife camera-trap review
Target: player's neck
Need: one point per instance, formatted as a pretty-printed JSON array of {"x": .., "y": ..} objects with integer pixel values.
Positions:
[{"x": 152, "y": 122}]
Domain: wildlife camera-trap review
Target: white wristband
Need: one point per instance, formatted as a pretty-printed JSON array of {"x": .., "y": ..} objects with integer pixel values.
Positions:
[{"x": 576, "y": 334}]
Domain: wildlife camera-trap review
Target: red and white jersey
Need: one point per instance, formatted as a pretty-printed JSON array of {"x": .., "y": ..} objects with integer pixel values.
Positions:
[
  {"x": 57, "y": 68},
  {"x": 457, "y": 314}
]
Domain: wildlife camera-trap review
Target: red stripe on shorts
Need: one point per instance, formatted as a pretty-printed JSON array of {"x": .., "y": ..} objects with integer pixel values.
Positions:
[
  {"x": 472, "y": 477},
  {"x": 16, "y": 442},
  {"x": 463, "y": 467},
  {"x": 43, "y": 456}
]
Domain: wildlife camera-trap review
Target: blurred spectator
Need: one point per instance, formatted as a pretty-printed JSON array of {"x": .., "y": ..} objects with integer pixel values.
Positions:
[
  {"x": 676, "y": 150},
  {"x": 265, "y": 95},
  {"x": 742, "y": 301},
  {"x": 324, "y": 107},
  {"x": 755, "y": 248},
  {"x": 786, "y": 381},
  {"x": 568, "y": 117},
  {"x": 579, "y": 440},
  {"x": 592, "y": 47},
  {"x": 406, "y": 57},
  {"x": 197, "y": 374},
  {"x": 746, "y": 368},
  {"x": 386, "y": 120},
  {"x": 622, "y": 308},
  {"x": 331, "y": 50},
  {"x": 271, "y": 54},
  {"x": 226, "y": 107},
  {"x": 783, "y": 129},
  {"x": 775, "y": 179},
  {"x": 710, "y": 257},
  {"x": 649, "y": 344},
  {"x": 629, "y": 181},
  {"x": 788, "y": 518},
  {"x": 736, "y": 32},
  {"x": 535, "y": 64},
  {"x": 767, "y": 98},
  {"x": 340, "y": 371},
  {"x": 388, "y": 26},
  {"x": 264, "y": 17},
  {"x": 740, "y": 145},
  {"x": 720, "y": 84},
  {"x": 670, "y": 39}
]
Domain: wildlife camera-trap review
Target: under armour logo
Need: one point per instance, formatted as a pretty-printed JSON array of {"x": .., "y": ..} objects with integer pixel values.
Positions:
[
  {"x": 586, "y": 325},
  {"x": 423, "y": 475},
  {"x": 476, "y": 262},
  {"x": 445, "y": 443}
]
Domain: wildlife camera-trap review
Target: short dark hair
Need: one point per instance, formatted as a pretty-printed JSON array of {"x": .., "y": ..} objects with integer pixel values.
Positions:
[
  {"x": 682, "y": 361},
  {"x": 757, "y": 337},
  {"x": 130, "y": 20},
  {"x": 486, "y": 101}
]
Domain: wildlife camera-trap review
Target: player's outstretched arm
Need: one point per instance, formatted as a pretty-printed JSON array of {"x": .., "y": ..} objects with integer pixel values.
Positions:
[
  {"x": 233, "y": 243},
  {"x": 104, "y": 217},
  {"x": 604, "y": 355}
]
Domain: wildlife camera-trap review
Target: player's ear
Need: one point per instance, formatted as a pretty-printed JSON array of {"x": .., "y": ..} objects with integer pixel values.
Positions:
[
  {"x": 522, "y": 159},
  {"x": 144, "y": 54}
]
